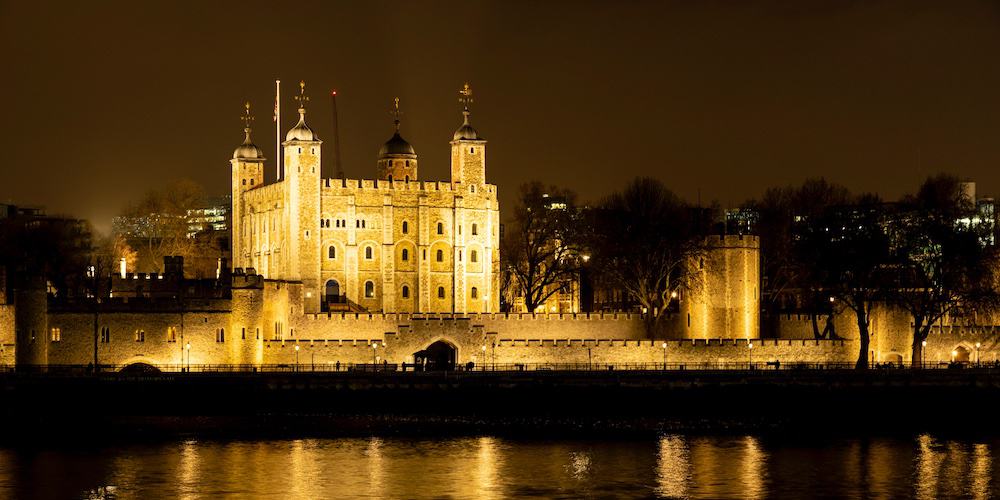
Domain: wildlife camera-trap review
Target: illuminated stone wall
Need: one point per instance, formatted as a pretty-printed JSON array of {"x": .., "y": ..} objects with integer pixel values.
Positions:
[
  {"x": 721, "y": 298},
  {"x": 377, "y": 241}
]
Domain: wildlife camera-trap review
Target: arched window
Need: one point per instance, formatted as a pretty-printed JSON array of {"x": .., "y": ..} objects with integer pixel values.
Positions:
[
  {"x": 440, "y": 292},
  {"x": 473, "y": 256},
  {"x": 406, "y": 292},
  {"x": 406, "y": 227},
  {"x": 331, "y": 253},
  {"x": 407, "y": 163},
  {"x": 475, "y": 229},
  {"x": 440, "y": 228},
  {"x": 390, "y": 178},
  {"x": 407, "y": 178},
  {"x": 369, "y": 289},
  {"x": 220, "y": 335},
  {"x": 440, "y": 255},
  {"x": 475, "y": 293},
  {"x": 406, "y": 254},
  {"x": 368, "y": 253}
]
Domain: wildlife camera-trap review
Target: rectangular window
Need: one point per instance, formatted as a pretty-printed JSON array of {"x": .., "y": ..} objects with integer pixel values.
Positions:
[
  {"x": 56, "y": 334},
  {"x": 220, "y": 335},
  {"x": 171, "y": 334},
  {"x": 105, "y": 335},
  {"x": 140, "y": 336}
]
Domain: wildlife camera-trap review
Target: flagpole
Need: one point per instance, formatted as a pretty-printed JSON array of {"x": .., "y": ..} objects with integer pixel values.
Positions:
[{"x": 277, "y": 128}]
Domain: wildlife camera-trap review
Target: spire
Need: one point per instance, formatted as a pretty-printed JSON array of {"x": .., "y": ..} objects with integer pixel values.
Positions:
[
  {"x": 395, "y": 113},
  {"x": 301, "y": 131},
  {"x": 247, "y": 121},
  {"x": 247, "y": 150},
  {"x": 302, "y": 97},
  {"x": 466, "y": 132},
  {"x": 466, "y": 100}
]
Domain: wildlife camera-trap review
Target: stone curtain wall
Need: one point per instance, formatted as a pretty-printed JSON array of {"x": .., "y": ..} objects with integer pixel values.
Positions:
[{"x": 6, "y": 335}]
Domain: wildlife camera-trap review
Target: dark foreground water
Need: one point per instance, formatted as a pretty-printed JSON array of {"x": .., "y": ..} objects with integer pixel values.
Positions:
[{"x": 921, "y": 466}]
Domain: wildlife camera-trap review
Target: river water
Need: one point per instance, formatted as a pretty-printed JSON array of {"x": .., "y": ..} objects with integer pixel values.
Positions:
[{"x": 671, "y": 466}]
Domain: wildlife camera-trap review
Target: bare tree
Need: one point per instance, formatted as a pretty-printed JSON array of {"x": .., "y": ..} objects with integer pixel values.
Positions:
[
  {"x": 946, "y": 268},
  {"x": 158, "y": 225},
  {"x": 541, "y": 245},
  {"x": 643, "y": 241}
]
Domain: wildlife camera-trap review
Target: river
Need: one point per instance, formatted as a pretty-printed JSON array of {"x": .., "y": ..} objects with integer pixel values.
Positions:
[{"x": 670, "y": 466}]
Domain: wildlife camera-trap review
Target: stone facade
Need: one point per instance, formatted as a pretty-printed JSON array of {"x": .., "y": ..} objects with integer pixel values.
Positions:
[{"x": 392, "y": 244}]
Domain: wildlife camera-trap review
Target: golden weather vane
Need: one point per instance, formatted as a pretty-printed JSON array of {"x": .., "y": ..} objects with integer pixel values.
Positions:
[
  {"x": 466, "y": 94},
  {"x": 395, "y": 112},
  {"x": 247, "y": 117},
  {"x": 302, "y": 97}
]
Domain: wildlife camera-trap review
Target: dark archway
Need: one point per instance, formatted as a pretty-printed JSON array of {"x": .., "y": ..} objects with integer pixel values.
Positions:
[
  {"x": 140, "y": 368},
  {"x": 439, "y": 356},
  {"x": 333, "y": 292}
]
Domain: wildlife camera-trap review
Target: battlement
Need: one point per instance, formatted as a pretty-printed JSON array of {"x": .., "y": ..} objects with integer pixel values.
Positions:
[
  {"x": 247, "y": 278},
  {"x": 474, "y": 317},
  {"x": 732, "y": 241},
  {"x": 397, "y": 185}
]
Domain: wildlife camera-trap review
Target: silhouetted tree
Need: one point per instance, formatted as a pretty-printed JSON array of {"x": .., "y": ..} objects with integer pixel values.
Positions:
[
  {"x": 541, "y": 244},
  {"x": 845, "y": 255},
  {"x": 945, "y": 268},
  {"x": 159, "y": 226},
  {"x": 643, "y": 241},
  {"x": 782, "y": 213}
]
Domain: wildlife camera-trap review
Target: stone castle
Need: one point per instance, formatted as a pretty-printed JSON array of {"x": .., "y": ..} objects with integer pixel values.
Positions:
[{"x": 336, "y": 272}]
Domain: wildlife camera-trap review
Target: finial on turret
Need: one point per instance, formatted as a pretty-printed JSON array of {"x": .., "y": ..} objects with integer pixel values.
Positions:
[
  {"x": 247, "y": 119},
  {"x": 466, "y": 100},
  {"x": 302, "y": 97},
  {"x": 395, "y": 113}
]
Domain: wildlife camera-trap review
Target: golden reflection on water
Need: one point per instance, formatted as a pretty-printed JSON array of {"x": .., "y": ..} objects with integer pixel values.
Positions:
[
  {"x": 674, "y": 466},
  {"x": 673, "y": 471}
]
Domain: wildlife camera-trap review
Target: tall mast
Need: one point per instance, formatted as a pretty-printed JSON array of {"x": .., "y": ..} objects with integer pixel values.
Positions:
[
  {"x": 337, "y": 168},
  {"x": 277, "y": 128}
]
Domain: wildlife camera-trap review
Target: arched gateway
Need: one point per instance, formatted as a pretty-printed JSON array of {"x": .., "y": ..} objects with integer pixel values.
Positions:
[{"x": 438, "y": 356}]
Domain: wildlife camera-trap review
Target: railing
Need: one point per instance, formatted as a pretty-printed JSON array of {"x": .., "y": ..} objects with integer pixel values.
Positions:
[{"x": 499, "y": 368}]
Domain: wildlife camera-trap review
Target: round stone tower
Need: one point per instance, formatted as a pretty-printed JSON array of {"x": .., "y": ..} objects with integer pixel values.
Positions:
[
  {"x": 397, "y": 161},
  {"x": 31, "y": 323}
]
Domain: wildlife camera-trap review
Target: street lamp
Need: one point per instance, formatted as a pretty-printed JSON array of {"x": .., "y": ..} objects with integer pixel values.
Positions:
[
  {"x": 296, "y": 357},
  {"x": 750, "y": 353},
  {"x": 977, "y": 353},
  {"x": 664, "y": 356},
  {"x": 923, "y": 353},
  {"x": 374, "y": 348},
  {"x": 187, "y": 347}
]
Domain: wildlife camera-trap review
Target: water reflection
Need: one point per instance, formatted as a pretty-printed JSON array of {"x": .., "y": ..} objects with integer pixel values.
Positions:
[{"x": 673, "y": 466}]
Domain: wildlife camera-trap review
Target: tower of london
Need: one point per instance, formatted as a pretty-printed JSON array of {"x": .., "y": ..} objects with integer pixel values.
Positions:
[{"x": 394, "y": 244}]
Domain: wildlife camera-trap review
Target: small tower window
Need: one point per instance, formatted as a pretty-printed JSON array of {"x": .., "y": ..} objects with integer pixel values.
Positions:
[
  {"x": 440, "y": 228},
  {"x": 251, "y": 182},
  {"x": 406, "y": 292},
  {"x": 220, "y": 335},
  {"x": 331, "y": 253},
  {"x": 390, "y": 178},
  {"x": 105, "y": 335},
  {"x": 440, "y": 292},
  {"x": 368, "y": 253},
  {"x": 171, "y": 334},
  {"x": 140, "y": 336},
  {"x": 369, "y": 289},
  {"x": 406, "y": 254},
  {"x": 406, "y": 227},
  {"x": 475, "y": 229},
  {"x": 440, "y": 256},
  {"x": 473, "y": 256},
  {"x": 475, "y": 293},
  {"x": 244, "y": 182},
  {"x": 407, "y": 163},
  {"x": 472, "y": 151}
]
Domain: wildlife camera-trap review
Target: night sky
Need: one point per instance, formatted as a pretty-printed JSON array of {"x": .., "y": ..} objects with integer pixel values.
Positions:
[{"x": 104, "y": 100}]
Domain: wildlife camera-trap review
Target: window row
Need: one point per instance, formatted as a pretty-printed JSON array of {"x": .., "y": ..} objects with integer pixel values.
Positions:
[
  {"x": 405, "y": 291},
  {"x": 404, "y": 254}
]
